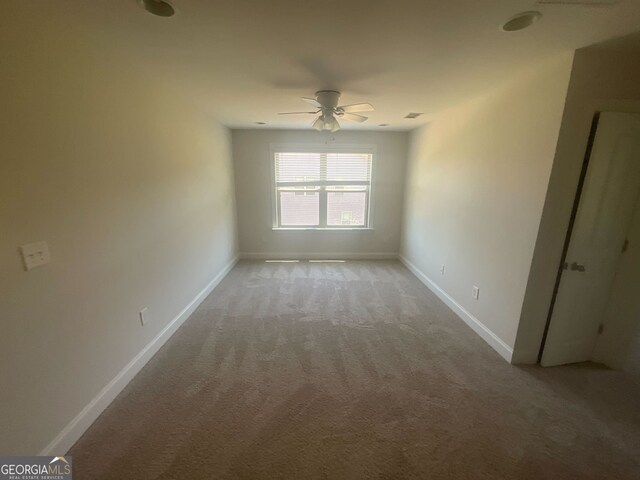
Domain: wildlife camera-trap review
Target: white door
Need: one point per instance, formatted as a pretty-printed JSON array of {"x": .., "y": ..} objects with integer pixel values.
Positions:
[{"x": 610, "y": 189}]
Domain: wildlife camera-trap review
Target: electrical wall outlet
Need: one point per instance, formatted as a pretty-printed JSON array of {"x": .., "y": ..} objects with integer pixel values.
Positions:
[
  {"x": 35, "y": 254},
  {"x": 442, "y": 269},
  {"x": 144, "y": 316},
  {"x": 475, "y": 292}
]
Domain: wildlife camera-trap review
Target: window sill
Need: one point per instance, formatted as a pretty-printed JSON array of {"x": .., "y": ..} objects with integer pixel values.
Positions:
[{"x": 323, "y": 229}]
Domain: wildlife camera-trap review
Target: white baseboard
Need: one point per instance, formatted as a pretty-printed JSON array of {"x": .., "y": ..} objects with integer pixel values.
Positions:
[
  {"x": 81, "y": 422},
  {"x": 476, "y": 325},
  {"x": 520, "y": 357},
  {"x": 319, "y": 256}
]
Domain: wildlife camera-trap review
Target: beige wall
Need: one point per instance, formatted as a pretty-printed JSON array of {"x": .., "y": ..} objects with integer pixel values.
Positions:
[
  {"x": 133, "y": 191},
  {"x": 601, "y": 80},
  {"x": 476, "y": 183},
  {"x": 252, "y": 163}
]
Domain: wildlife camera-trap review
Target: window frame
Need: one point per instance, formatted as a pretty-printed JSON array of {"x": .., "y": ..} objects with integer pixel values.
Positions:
[{"x": 322, "y": 149}]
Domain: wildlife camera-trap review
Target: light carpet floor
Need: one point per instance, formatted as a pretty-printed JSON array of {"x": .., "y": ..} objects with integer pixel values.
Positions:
[{"x": 354, "y": 371}]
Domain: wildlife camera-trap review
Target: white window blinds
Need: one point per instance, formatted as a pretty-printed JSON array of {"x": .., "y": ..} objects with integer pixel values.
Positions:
[{"x": 322, "y": 190}]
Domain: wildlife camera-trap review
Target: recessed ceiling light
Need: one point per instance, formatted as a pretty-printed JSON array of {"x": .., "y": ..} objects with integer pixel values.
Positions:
[
  {"x": 260, "y": 123},
  {"x": 521, "y": 21},
  {"x": 159, "y": 8}
]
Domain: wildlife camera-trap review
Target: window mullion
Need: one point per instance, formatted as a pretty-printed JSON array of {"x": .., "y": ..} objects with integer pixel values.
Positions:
[
  {"x": 278, "y": 208},
  {"x": 323, "y": 190},
  {"x": 367, "y": 205}
]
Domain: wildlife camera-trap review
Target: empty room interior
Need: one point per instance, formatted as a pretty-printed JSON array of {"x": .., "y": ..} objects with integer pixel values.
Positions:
[{"x": 357, "y": 239}]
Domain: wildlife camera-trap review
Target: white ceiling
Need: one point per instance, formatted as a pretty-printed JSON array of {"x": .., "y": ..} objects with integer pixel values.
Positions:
[{"x": 246, "y": 60}]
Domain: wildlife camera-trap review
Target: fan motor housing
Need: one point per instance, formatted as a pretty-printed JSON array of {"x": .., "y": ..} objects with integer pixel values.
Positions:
[{"x": 328, "y": 98}]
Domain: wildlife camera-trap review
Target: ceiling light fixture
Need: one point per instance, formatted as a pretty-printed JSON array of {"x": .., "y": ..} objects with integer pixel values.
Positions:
[
  {"x": 160, "y": 8},
  {"x": 521, "y": 21},
  {"x": 326, "y": 122},
  {"x": 326, "y": 105}
]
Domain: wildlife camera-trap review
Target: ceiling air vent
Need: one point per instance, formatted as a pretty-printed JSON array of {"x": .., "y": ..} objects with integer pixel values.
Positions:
[
  {"x": 412, "y": 115},
  {"x": 584, "y": 3}
]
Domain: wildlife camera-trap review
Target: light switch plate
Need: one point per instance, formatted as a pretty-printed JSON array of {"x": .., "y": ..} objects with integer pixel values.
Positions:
[{"x": 35, "y": 254}]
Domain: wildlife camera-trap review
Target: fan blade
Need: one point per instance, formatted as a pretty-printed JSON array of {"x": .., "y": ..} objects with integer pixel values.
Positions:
[
  {"x": 312, "y": 101},
  {"x": 354, "y": 117},
  {"x": 318, "y": 124},
  {"x": 357, "y": 107},
  {"x": 296, "y": 113}
]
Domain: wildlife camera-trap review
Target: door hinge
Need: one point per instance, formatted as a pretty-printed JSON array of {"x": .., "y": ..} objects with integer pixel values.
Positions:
[
  {"x": 600, "y": 328},
  {"x": 625, "y": 246}
]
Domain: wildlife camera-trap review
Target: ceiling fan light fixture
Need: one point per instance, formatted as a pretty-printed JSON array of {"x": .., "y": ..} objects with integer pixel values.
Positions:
[
  {"x": 328, "y": 111},
  {"x": 332, "y": 124},
  {"x": 326, "y": 123},
  {"x": 318, "y": 124}
]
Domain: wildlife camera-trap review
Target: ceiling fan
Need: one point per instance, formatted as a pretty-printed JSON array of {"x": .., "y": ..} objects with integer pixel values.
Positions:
[{"x": 328, "y": 110}]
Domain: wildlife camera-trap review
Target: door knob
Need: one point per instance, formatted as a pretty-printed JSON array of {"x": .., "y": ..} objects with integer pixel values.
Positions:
[{"x": 575, "y": 266}]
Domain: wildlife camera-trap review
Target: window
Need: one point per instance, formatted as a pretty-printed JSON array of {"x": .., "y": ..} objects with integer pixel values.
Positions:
[{"x": 322, "y": 189}]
